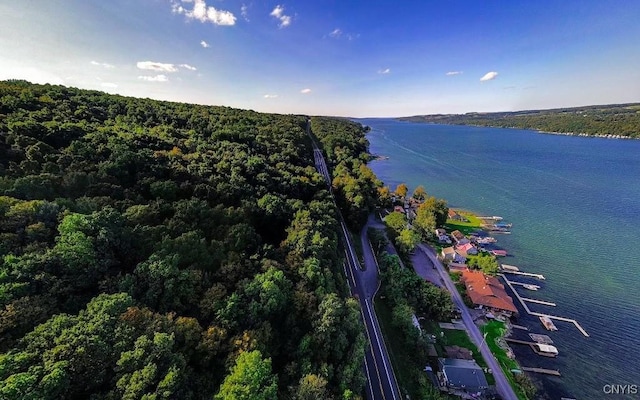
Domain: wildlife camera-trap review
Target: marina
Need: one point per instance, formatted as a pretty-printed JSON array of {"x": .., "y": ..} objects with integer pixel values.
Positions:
[
  {"x": 545, "y": 339},
  {"x": 546, "y": 303},
  {"x": 551, "y": 317},
  {"x": 548, "y": 323}
]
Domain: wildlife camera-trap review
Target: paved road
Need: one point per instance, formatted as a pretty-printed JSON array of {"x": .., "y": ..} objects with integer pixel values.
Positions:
[
  {"x": 363, "y": 284},
  {"x": 502, "y": 384}
]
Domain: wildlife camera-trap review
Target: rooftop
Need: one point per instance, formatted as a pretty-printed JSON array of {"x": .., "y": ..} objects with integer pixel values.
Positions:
[
  {"x": 464, "y": 374},
  {"x": 487, "y": 291}
]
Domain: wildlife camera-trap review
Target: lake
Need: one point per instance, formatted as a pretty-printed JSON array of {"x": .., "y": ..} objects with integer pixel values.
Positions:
[{"x": 575, "y": 207}]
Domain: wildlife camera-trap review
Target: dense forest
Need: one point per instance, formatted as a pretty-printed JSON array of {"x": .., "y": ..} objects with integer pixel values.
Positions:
[
  {"x": 160, "y": 250},
  {"x": 621, "y": 120}
]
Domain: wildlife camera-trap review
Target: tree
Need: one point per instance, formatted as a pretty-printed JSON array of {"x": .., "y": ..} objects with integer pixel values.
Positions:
[
  {"x": 311, "y": 387},
  {"x": 425, "y": 221},
  {"x": 420, "y": 193},
  {"x": 401, "y": 190},
  {"x": 408, "y": 240},
  {"x": 397, "y": 221},
  {"x": 484, "y": 262},
  {"x": 250, "y": 378}
]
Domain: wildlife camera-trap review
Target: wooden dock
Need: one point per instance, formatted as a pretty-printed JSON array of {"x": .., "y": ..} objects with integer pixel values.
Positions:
[
  {"x": 544, "y": 339},
  {"x": 553, "y": 372},
  {"x": 524, "y": 305},
  {"x": 524, "y": 328},
  {"x": 533, "y": 346},
  {"x": 546, "y": 303},
  {"x": 538, "y": 276}
]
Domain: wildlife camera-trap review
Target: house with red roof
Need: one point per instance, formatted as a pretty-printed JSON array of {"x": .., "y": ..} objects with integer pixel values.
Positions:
[{"x": 487, "y": 292}]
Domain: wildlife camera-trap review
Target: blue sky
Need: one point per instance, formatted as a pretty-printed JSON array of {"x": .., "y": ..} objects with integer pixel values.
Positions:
[{"x": 338, "y": 57}]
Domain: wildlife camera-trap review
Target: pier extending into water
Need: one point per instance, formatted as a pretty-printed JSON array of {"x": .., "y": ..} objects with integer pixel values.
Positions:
[
  {"x": 533, "y": 345},
  {"x": 538, "y": 276},
  {"x": 546, "y": 303},
  {"x": 553, "y": 372},
  {"x": 537, "y": 314}
]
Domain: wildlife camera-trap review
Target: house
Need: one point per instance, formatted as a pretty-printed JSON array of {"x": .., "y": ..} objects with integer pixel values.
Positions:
[
  {"x": 442, "y": 236},
  {"x": 459, "y": 237},
  {"x": 454, "y": 215},
  {"x": 467, "y": 249},
  {"x": 457, "y": 267},
  {"x": 399, "y": 209},
  {"x": 487, "y": 291},
  {"x": 449, "y": 254},
  {"x": 462, "y": 375}
]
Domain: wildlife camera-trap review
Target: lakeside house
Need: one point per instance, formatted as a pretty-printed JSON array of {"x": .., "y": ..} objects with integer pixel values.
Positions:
[
  {"x": 449, "y": 254},
  {"x": 487, "y": 292},
  {"x": 442, "y": 236},
  {"x": 459, "y": 237},
  {"x": 467, "y": 249},
  {"x": 457, "y": 267},
  {"x": 464, "y": 376},
  {"x": 453, "y": 215}
]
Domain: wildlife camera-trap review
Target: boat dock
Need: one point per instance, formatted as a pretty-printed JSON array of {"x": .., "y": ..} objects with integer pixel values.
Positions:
[
  {"x": 492, "y": 218},
  {"x": 553, "y": 372},
  {"x": 544, "y": 339},
  {"x": 526, "y": 308},
  {"x": 524, "y": 328},
  {"x": 546, "y": 303},
  {"x": 507, "y": 267},
  {"x": 534, "y": 346},
  {"x": 538, "y": 276},
  {"x": 526, "y": 284}
]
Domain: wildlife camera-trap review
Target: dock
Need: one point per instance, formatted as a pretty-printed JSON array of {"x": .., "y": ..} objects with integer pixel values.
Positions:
[
  {"x": 544, "y": 339},
  {"x": 546, "y": 303},
  {"x": 526, "y": 308},
  {"x": 538, "y": 276},
  {"x": 524, "y": 328},
  {"x": 553, "y": 372},
  {"x": 493, "y": 218},
  {"x": 526, "y": 284},
  {"x": 507, "y": 267},
  {"x": 533, "y": 345}
]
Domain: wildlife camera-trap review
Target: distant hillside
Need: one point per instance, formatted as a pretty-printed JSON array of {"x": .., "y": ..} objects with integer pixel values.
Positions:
[{"x": 619, "y": 120}]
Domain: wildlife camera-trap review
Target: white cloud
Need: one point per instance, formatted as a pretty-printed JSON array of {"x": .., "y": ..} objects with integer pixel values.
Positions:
[
  {"x": 244, "y": 11},
  {"x": 157, "y": 78},
  {"x": 103, "y": 65},
  {"x": 204, "y": 13},
  {"x": 452, "y": 73},
  {"x": 204, "y": 44},
  {"x": 189, "y": 67},
  {"x": 385, "y": 71},
  {"x": 156, "y": 66},
  {"x": 305, "y": 91},
  {"x": 278, "y": 12},
  {"x": 270, "y": 96},
  {"x": 109, "y": 85},
  {"x": 336, "y": 33},
  {"x": 489, "y": 76}
]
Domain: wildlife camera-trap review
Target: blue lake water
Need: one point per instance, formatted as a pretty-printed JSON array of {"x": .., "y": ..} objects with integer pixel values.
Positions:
[{"x": 575, "y": 207}]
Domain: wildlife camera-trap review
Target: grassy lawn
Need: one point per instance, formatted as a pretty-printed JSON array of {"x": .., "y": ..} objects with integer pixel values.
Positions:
[
  {"x": 465, "y": 227},
  {"x": 494, "y": 330},
  {"x": 455, "y": 337}
]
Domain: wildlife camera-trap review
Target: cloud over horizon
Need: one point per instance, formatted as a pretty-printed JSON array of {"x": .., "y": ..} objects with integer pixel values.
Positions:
[
  {"x": 336, "y": 33},
  {"x": 204, "y": 13},
  {"x": 452, "y": 73},
  {"x": 104, "y": 65},
  {"x": 278, "y": 12},
  {"x": 157, "y": 78},
  {"x": 189, "y": 67},
  {"x": 156, "y": 66},
  {"x": 489, "y": 76},
  {"x": 384, "y": 71},
  {"x": 204, "y": 44},
  {"x": 270, "y": 96},
  {"x": 305, "y": 91}
]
